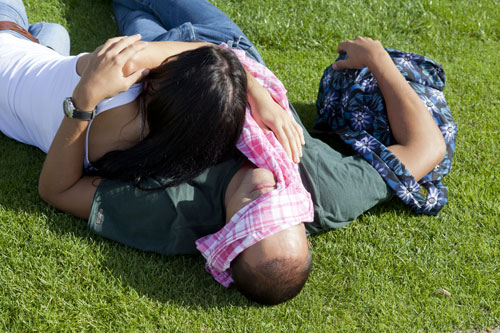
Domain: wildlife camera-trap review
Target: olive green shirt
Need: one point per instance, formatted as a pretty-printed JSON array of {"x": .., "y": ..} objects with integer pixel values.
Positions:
[{"x": 169, "y": 221}]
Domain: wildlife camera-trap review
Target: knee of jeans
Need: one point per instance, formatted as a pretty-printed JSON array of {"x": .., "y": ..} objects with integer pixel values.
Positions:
[
  {"x": 148, "y": 25},
  {"x": 13, "y": 11},
  {"x": 52, "y": 35}
]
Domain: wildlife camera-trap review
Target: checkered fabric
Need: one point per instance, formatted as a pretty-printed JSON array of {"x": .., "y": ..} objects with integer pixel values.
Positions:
[{"x": 287, "y": 205}]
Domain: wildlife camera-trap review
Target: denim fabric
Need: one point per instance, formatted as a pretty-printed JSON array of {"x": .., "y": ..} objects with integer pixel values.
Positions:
[
  {"x": 175, "y": 20},
  {"x": 14, "y": 11},
  {"x": 51, "y": 35}
]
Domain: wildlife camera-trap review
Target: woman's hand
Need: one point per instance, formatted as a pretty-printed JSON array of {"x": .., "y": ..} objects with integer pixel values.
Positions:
[
  {"x": 269, "y": 115},
  {"x": 103, "y": 77},
  {"x": 361, "y": 52}
]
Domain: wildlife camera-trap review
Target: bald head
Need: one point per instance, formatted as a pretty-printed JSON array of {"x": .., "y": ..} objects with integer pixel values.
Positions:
[{"x": 275, "y": 269}]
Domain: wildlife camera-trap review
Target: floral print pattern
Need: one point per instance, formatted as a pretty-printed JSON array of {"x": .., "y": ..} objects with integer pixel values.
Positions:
[{"x": 350, "y": 103}]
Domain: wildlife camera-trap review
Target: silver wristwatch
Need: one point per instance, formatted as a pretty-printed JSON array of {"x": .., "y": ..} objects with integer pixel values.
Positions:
[{"x": 71, "y": 111}]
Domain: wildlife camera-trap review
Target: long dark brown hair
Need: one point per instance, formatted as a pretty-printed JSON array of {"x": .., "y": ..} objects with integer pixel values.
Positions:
[{"x": 195, "y": 110}]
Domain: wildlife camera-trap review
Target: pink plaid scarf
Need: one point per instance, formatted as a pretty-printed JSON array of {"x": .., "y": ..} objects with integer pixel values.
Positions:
[{"x": 287, "y": 205}]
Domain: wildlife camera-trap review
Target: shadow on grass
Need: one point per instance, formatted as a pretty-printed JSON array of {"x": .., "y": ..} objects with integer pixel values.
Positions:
[
  {"x": 307, "y": 113},
  {"x": 181, "y": 280},
  {"x": 20, "y": 166},
  {"x": 89, "y": 23}
]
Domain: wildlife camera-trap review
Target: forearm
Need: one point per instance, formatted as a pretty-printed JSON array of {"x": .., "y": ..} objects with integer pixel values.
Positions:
[
  {"x": 62, "y": 170},
  {"x": 63, "y": 164},
  {"x": 408, "y": 116},
  {"x": 420, "y": 143},
  {"x": 61, "y": 174},
  {"x": 156, "y": 52},
  {"x": 61, "y": 182},
  {"x": 256, "y": 93}
]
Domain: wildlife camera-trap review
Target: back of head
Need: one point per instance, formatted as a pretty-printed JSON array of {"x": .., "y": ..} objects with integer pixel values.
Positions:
[
  {"x": 271, "y": 282},
  {"x": 195, "y": 111}
]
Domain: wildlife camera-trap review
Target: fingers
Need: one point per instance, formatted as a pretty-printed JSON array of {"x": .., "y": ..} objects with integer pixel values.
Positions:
[
  {"x": 114, "y": 46},
  {"x": 130, "y": 50},
  {"x": 340, "y": 64},
  {"x": 300, "y": 133},
  {"x": 124, "y": 43},
  {"x": 103, "y": 75},
  {"x": 295, "y": 146},
  {"x": 342, "y": 46},
  {"x": 359, "y": 52},
  {"x": 122, "y": 49},
  {"x": 271, "y": 115},
  {"x": 125, "y": 56},
  {"x": 283, "y": 139},
  {"x": 109, "y": 43},
  {"x": 135, "y": 77},
  {"x": 291, "y": 137},
  {"x": 112, "y": 41}
]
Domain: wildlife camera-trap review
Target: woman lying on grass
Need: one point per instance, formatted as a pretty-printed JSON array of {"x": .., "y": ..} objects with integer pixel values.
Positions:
[
  {"x": 183, "y": 116},
  {"x": 266, "y": 253}
]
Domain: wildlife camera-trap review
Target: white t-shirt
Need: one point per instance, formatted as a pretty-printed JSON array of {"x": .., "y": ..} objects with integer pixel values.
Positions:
[{"x": 34, "y": 81}]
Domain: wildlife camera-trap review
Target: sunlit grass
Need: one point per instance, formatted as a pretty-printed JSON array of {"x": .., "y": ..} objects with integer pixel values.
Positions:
[{"x": 381, "y": 273}]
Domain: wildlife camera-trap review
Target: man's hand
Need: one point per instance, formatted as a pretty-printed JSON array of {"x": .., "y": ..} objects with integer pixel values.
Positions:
[
  {"x": 420, "y": 144},
  {"x": 361, "y": 52}
]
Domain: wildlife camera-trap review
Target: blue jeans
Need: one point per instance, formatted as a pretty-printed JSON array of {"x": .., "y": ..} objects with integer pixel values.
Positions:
[
  {"x": 178, "y": 20},
  {"x": 51, "y": 35}
]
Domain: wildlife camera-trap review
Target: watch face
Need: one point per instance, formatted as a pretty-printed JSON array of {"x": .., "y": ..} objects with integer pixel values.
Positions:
[
  {"x": 68, "y": 107},
  {"x": 72, "y": 112}
]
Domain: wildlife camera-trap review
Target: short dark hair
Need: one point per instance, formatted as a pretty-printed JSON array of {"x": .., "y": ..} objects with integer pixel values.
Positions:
[{"x": 272, "y": 282}]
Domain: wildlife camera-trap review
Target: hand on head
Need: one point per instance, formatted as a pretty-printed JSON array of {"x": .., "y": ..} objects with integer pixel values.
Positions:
[{"x": 103, "y": 76}]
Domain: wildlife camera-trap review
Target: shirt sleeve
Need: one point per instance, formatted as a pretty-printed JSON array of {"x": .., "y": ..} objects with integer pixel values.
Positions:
[{"x": 342, "y": 187}]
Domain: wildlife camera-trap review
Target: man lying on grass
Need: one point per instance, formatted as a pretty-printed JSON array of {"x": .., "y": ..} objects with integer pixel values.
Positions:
[{"x": 245, "y": 215}]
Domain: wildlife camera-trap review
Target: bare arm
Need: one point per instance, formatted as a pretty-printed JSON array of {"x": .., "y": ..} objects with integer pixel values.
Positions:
[
  {"x": 155, "y": 53},
  {"x": 267, "y": 113},
  {"x": 270, "y": 115},
  {"x": 420, "y": 145},
  {"x": 61, "y": 183}
]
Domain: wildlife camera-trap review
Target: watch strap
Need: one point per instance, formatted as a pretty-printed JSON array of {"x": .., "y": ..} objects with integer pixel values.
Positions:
[
  {"x": 82, "y": 115},
  {"x": 72, "y": 112}
]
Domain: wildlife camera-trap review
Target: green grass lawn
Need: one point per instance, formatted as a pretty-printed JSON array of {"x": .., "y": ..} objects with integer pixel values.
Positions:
[{"x": 382, "y": 273}]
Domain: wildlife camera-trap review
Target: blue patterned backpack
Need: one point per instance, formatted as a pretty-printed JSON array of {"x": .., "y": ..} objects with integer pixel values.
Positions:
[{"x": 350, "y": 104}]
